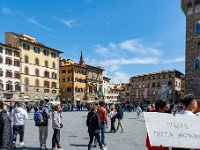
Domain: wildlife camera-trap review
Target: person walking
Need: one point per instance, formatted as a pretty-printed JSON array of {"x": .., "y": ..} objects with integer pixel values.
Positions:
[
  {"x": 57, "y": 125},
  {"x": 138, "y": 111},
  {"x": 43, "y": 128},
  {"x": 103, "y": 120},
  {"x": 93, "y": 124},
  {"x": 119, "y": 116},
  {"x": 18, "y": 116},
  {"x": 5, "y": 129}
]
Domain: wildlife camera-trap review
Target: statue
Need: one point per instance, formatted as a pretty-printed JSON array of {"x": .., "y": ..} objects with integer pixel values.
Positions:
[
  {"x": 100, "y": 93},
  {"x": 164, "y": 92}
]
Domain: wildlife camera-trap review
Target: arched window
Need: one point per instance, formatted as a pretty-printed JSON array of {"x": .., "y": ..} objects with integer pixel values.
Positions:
[
  {"x": 26, "y": 71},
  {"x": 17, "y": 86},
  {"x": 197, "y": 63},
  {"x": 9, "y": 86},
  {"x": 26, "y": 82},
  {"x": 198, "y": 27},
  {"x": 54, "y": 65},
  {"x": 26, "y": 59},
  {"x": 37, "y": 72},
  {"x": 46, "y": 63},
  {"x": 37, "y": 83},
  {"x": 46, "y": 74},
  {"x": 37, "y": 61}
]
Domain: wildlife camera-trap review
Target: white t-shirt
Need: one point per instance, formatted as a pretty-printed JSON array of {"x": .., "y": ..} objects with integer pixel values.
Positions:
[{"x": 18, "y": 115}]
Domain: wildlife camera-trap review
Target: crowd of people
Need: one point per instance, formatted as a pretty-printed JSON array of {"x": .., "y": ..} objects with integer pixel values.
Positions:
[{"x": 12, "y": 122}]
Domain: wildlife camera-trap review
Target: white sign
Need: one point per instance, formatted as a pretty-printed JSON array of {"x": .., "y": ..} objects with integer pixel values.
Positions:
[{"x": 178, "y": 131}]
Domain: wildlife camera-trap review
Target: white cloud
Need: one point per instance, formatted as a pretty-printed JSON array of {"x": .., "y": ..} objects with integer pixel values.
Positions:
[
  {"x": 35, "y": 22},
  {"x": 67, "y": 22},
  {"x": 136, "y": 46},
  {"x": 114, "y": 68},
  {"x": 100, "y": 49},
  {"x": 176, "y": 60},
  {"x": 6, "y": 11},
  {"x": 120, "y": 77},
  {"x": 132, "y": 61}
]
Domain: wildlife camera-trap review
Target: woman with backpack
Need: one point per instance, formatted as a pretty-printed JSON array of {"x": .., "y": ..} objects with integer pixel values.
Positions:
[
  {"x": 93, "y": 124},
  {"x": 57, "y": 125}
]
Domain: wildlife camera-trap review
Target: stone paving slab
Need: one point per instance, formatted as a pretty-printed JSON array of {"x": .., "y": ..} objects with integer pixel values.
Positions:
[{"x": 74, "y": 134}]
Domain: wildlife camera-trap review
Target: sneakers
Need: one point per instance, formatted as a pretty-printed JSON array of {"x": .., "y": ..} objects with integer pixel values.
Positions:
[
  {"x": 21, "y": 143},
  {"x": 14, "y": 146},
  {"x": 105, "y": 148},
  {"x": 43, "y": 147},
  {"x": 59, "y": 149}
]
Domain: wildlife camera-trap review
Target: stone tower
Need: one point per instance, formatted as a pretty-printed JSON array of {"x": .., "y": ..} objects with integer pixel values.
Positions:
[{"x": 191, "y": 9}]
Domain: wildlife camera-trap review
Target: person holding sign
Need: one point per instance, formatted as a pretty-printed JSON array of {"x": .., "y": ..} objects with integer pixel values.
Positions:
[{"x": 161, "y": 107}]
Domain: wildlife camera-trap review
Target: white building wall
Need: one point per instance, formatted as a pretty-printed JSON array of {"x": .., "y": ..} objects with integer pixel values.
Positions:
[{"x": 5, "y": 67}]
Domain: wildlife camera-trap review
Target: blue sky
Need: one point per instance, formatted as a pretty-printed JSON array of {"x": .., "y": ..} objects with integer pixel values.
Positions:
[{"x": 127, "y": 37}]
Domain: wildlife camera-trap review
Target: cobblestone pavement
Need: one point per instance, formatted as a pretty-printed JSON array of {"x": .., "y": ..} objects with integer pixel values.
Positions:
[{"x": 74, "y": 134}]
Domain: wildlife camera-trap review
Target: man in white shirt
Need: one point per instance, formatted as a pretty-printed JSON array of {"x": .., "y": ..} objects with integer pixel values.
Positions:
[
  {"x": 190, "y": 105},
  {"x": 18, "y": 116}
]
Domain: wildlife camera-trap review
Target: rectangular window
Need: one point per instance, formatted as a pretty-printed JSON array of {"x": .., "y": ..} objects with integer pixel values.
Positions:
[
  {"x": 17, "y": 75},
  {"x": 63, "y": 71},
  {"x": 1, "y": 72},
  {"x": 26, "y": 46},
  {"x": 36, "y": 49},
  {"x": 46, "y": 52},
  {"x": 199, "y": 43},
  {"x": 54, "y": 91},
  {"x": 8, "y": 61},
  {"x": 9, "y": 73},
  {"x": 8, "y": 52},
  {"x": 53, "y": 54},
  {"x": 16, "y": 63},
  {"x": 63, "y": 80},
  {"x": 46, "y": 90},
  {"x": 1, "y": 49},
  {"x": 69, "y": 89},
  {"x": 16, "y": 54}
]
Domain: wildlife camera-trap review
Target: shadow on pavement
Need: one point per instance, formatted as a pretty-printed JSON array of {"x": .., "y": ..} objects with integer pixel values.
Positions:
[
  {"x": 79, "y": 145},
  {"x": 27, "y": 148},
  {"x": 132, "y": 118}
]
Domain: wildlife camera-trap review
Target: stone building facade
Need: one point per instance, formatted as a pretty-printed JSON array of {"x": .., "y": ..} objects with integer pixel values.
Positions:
[
  {"x": 80, "y": 82},
  {"x": 148, "y": 87},
  {"x": 39, "y": 67},
  {"x": 9, "y": 72},
  {"x": 191, "y": 9},
  {"x": 72, "y": 81}
]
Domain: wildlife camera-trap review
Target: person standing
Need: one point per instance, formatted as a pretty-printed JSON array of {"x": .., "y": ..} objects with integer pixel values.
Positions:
[
  {"x": 119, "y": 116},
  {"x": 43, "y": 128},
  {"x": 93, "y": 124},
  {"x": 161, "y": 107},
  {"x": 57, "y": 125},
  {"x": 5, "y": 129},
  {"x": 18, "y": 116},
  {"x": 103, "y": 120},
  {"x": 112, "y": 119}
]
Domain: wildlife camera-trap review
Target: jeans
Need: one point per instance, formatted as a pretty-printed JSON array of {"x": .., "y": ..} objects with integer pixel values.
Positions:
[
  {"x": 43, "y": 134},
  {"x": 97, "y": 136},
  {"x": 18, "y": 129},
  {"x": 103, "y": 129},
  {"x": 113, "y": 124},
  {"x": 56, "y": 138},
  {"x": 120, "y": 125}
]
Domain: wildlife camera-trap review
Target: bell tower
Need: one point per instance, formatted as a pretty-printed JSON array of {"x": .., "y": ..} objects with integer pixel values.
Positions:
[{"x": 191, "y": 9}]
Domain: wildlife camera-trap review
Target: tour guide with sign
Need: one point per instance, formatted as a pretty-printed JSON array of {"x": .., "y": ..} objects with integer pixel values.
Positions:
[{"x": 165, "y": 131}]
